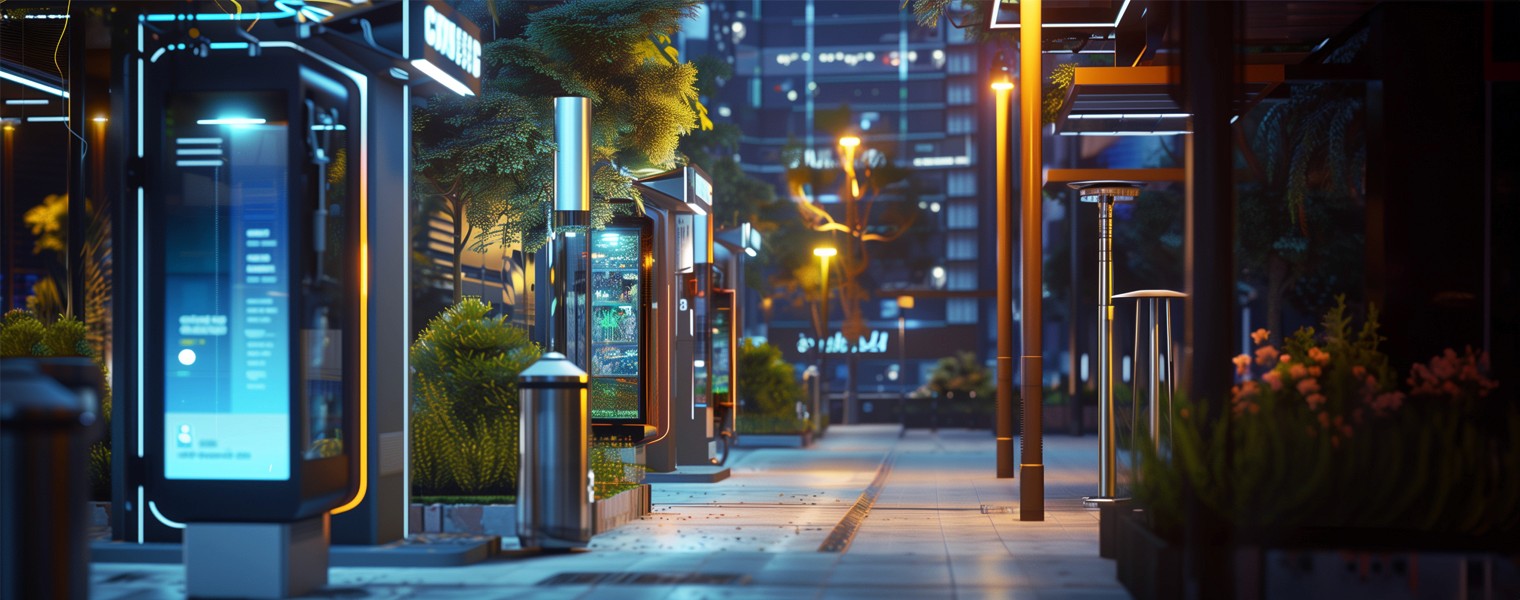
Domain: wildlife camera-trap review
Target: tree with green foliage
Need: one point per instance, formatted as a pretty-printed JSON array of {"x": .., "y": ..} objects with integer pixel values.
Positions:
[
  {"x": 1302, "y": 190},
  {"x": 489, "y": 160},
  {"x": 876, "y": 216}
]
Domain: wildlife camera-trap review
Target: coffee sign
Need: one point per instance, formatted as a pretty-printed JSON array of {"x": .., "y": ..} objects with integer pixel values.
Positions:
[{"x": 445, "y": 46}]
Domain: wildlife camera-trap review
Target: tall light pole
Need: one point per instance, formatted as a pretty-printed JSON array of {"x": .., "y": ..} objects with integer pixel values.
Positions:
[
  {"x": 1002, "y": 86},
  {"x": 1032, "y": 462},
  {"x": 847, "y": 146},
  {"x": 824, "y": 253},
  {"x": 903, "y": 304}
]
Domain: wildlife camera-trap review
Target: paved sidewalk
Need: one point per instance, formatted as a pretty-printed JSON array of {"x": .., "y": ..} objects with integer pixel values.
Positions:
[{"x": 757, "y": 534}]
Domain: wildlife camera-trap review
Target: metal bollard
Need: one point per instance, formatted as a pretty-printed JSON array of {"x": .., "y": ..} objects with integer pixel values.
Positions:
[
  {"x": 553, "y": 482},
  {"x": 48, "y": 417}
]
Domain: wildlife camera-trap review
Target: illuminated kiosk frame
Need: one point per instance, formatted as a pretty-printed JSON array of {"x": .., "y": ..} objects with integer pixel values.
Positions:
[
  {"x": 677, "y": 203},
  {"x": 302, "y": 487},
  {"x": 632, "y": 427}
]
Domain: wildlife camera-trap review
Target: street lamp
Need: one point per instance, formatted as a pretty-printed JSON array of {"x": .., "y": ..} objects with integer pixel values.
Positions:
[
  {"x": 1002, "y": 87},
  {"x": 903, "y": 304},
  {"x": 824, "y": 253}
]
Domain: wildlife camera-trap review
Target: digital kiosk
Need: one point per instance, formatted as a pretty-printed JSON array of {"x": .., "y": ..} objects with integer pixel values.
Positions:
[
  {"x": 678, "y": 204},
  {"x": 262, "y": 304}
]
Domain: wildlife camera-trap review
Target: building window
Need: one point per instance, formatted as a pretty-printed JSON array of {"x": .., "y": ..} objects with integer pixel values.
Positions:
[
  {"x": 889, "y": 309},
  {"x": 958, "y": 94},
  {"x": 961, "y": 246},
  {"x": 960, "y": 310},
  {"x": 960, "y": 184},
  {"x": 960, "y": 121},
  {"x": 962, "y": 63},
  {"x": 962, "y": 215},
  {"x": 963, "y": 277}
]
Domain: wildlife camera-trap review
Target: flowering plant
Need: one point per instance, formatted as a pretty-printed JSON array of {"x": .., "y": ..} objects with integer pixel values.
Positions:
[
  {"x": 1323, "y": 436},
  {"x": 1336, "y": 379}
]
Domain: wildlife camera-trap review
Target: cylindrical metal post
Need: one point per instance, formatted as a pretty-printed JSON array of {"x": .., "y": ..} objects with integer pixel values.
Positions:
[
  {"x": 569, "y": 251},
  {"x": 553, "y": 481},
  {"x": 1155, "y": 388},
  {"x": 823, "y": 343},
  {"x": 1004, "y": 291},
  {"x": 1105, "y": 193},
  {"x": 1032, "y": 253}
]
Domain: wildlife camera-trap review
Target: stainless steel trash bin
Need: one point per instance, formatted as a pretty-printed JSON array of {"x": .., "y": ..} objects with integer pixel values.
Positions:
[
  {"x": 553, "y": 483},
  {"x": 49, "y": 414}
]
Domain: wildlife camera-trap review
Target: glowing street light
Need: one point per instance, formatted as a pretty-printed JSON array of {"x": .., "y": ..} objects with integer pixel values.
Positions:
[
  {"x": 824, "y": 253},
  {"x": 1002, "y": 87}
]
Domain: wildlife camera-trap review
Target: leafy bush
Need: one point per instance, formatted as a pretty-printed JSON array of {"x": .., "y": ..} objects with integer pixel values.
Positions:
[
  {"x": 611, "y": 472},
  {"x": 958, "y": 375},
  {"x": 768, "y": 391},
  {"x": 20, "y": 333},
  {"x": 23, "y": 335},
  {"x": 464, "y": 411}
]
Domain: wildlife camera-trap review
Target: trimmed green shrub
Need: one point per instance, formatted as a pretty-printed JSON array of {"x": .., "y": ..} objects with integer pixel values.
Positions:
[
  {"x": 768, "y": 391},
  {"x": 464, "y": 407},
  {"x": 20, "y": 332}
]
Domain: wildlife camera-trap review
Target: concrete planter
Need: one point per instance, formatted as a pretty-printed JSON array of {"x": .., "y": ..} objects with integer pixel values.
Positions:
[
  {"x": 501, "y": 519},
  {"x": 1148, "y": 566}
]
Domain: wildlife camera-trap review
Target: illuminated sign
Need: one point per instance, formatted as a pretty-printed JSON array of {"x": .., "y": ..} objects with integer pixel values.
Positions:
[
  {"x": 872, "y": 343},
  {"x": 446, "y": 46}
]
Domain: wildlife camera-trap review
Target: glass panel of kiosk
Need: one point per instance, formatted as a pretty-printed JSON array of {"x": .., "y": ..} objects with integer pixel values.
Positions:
[
  {"x": 617, "y": 324},
  {"x": 250, "y": 319},
  {"x": 722, "y": 346}
]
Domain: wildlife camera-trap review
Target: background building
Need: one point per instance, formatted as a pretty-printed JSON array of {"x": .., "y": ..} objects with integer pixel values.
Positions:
[{"x": 914, "y": 94}]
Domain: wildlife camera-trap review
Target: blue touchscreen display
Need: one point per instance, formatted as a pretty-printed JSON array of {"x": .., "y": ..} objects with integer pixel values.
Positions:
[{"x": 227, "y": 301}]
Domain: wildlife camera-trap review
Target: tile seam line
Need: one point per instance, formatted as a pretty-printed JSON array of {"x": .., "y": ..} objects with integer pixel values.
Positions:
[{"x": 843, "y": 534}]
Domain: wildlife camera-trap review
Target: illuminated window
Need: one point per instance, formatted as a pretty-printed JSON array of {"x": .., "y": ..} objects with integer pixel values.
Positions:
[
  {"x": 960, "y": 310},
  {"x": 962, "y": 215},
  {"x": 960, "y": 121},
  {"x": 961, "y": 246},
  {"x": 960, "y": 184},
  {"x": 959, "y": 94},
  {"x": 963, "y": 277}
]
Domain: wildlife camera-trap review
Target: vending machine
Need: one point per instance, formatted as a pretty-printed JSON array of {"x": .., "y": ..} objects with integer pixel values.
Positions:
[{"x": 621, "y": 265}]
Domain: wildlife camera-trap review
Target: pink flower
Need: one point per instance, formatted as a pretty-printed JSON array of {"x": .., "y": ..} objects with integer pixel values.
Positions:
[
  {"x": 1308, "y": 386},
  {"x": 1388, "y": 401},
  {"x": 1273, "y": 380},
  {"x": 1315, "y": 400},
  {"x": 1285, "y": 358},
  {"x": 1324, "y": 419},
  {"x": 1297, "y": 372},
  {"x": 1315, "y": 371},
  {"x": 1319, "y": 356},
  {"x": 1242, "y": 365},
  {"x": 1358, "y": 371},
  {"x": 1260, "y": 335},
  {"x": 1266, "y": 356}
]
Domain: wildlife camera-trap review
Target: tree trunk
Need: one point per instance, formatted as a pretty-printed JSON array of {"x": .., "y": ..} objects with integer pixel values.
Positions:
[{"x": 1278, "y": 282}]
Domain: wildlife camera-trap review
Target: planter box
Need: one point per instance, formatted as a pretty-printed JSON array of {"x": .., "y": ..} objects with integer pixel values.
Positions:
[
  {"x": 1148, "y": 566},
  {"x": 501, "y": 519}
]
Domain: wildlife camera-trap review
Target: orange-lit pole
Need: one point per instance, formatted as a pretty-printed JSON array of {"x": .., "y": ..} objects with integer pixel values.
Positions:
[
  {"x": 1002, "y": 86},
  {"x": 1032, "y": 463}
]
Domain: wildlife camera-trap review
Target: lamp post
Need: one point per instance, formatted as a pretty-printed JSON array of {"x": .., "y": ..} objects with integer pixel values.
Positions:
[
  {"x": 903, "y": 304},
  {"x": 824, "y": 253},
  {"x": 1002, "y": 86},
  {"x": 847, "y": 146}
]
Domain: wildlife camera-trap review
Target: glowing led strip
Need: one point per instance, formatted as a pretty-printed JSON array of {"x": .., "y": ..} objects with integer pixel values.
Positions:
[
  {"x": 997, "y": 6},
  {"x": 36, "y": 85}
]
